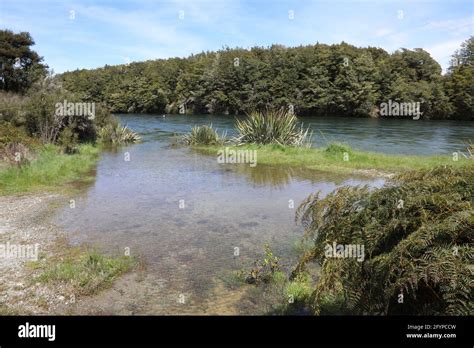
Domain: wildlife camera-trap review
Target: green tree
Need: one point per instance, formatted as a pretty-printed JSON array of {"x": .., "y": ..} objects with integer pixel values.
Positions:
[{"x": 20, "y": 66}]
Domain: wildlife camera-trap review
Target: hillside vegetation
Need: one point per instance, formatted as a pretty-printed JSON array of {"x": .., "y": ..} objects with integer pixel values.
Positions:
[{"x": 319, "y": 79}]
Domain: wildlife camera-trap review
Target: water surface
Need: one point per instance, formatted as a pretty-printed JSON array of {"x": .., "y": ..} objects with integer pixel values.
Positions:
[{"x": 186, "y": 215}]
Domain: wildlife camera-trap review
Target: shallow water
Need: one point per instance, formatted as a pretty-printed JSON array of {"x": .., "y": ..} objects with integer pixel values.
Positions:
[{"x": 184, "y": 214}]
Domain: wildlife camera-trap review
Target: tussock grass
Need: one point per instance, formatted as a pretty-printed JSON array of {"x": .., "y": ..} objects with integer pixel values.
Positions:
[
  {"x": 49, "y": 171},
  {"x": 117, "y": 135},
  {"x": 203, "y": 135}
]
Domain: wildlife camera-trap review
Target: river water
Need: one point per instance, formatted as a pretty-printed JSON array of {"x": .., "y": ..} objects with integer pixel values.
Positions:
[{"x": 193, "y": 220}]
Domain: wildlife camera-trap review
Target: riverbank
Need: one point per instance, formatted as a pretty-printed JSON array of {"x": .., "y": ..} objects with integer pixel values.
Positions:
[
  {"x": 40, "y": 272},
  {"x": 53, "y": 276},
  {"x": 341, "y": 159},
  {"x": 50, "y": 171}
]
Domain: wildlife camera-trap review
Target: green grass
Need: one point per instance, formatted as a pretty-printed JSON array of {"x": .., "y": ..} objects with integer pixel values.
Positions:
[
  {"x": 87, "y": 272},
  {"x": 332, "y": 158},
  {"x": 49, "y": 171}
]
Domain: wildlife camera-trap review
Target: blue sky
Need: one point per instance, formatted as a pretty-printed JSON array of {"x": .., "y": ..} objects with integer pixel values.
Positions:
[{"x": 89, "y": 34}]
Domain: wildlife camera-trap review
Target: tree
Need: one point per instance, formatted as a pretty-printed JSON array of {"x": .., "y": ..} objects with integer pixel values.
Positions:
[
  {"x": 459, "y": 83},
  {"x": 341, "y": 80},
  {"x": 20, "y": 66}
]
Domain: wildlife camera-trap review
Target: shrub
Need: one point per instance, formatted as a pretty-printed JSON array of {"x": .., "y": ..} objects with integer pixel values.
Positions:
[
  {"x": 16, "y": 153},
  {"x": 266, "y": 270},
  {"x": 15, "y": 145},
  {"x": 203, "y": 135},
  {"x": 117, "y": 135},
  {"x": 272, "y": 127},
  {"x": 43, "y": 122},
  {"x": 12, "y": 134},
  {"x": 12, "y": 108},
  {"x": 417, "y": 234},
  {"x": 338, "y": 149},
  {"x": 68, "y": 140}
]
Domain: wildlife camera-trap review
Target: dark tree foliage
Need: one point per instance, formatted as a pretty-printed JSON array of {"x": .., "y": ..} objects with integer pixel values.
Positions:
[
  {"x": 319, "y": 79},
  {"x": 459, "y": 83},
  {"x": 20, "y": 66}
]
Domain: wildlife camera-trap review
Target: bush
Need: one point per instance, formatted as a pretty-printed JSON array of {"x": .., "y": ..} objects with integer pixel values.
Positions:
[
  {"x": 338, "y": 149},
  {"x": 266, "y": 270},
  {"x": 203, "y": 135},
  {"x": 12, "y": 108},
  {"x": 16, "y": 147},
  {"x": 68, "y": 140},
  {"x": 417, "y": 236},
  {"x": 272, "y": 127},
  {"x": 12, "y": 134},
  {"x": 42, "y": 119}
]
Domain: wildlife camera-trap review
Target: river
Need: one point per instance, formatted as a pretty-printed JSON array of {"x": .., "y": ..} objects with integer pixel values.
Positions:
[{"x": 193, "y": 220}]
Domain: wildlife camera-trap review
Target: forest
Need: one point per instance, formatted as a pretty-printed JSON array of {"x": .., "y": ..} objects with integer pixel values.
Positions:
[{"x": 319, "y": 79}]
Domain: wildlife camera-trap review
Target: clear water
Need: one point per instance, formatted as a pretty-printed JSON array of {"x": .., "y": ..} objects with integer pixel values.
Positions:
[{"x": 136, "y": 204}]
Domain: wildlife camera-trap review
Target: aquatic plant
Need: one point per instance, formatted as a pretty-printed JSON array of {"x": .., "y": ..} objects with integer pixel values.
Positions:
[
  {"x": 117, "y": 135},
  {"x": 417, "y": 235},
  {"x": 272, "y": 127},
  {"x": 203, "y": 135}
]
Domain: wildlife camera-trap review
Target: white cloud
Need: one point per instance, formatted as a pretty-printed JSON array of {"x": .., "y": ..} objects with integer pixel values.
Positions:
[
  {"x": 442, "y": 51},
  {"x": 459, "y": 26}
]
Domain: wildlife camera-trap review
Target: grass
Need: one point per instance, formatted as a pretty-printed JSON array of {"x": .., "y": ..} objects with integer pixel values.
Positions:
[
  {"x": 49, "y": 171},
  {"x": 340, "y": 158},
  {"x": 203, "y": 135},
  {"x": 85, "y": 271},
  {"x": 272, "y": 127},
  {"x": 118, "y": 135}
]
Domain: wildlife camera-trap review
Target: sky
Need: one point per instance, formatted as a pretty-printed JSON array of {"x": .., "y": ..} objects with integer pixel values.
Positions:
[{"x": 88, "y": 34}]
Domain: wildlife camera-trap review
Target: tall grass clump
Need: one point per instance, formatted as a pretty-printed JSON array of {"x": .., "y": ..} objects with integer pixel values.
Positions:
[
  {"x": 272, "y": 127},
  {"x": 417, "y": 235},
  {"x": 203, "y": 135},
  {"x": 117, "y": 135}
]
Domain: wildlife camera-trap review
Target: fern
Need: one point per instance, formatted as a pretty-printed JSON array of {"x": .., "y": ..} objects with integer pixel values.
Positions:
[{"x": 418, "y": 235}]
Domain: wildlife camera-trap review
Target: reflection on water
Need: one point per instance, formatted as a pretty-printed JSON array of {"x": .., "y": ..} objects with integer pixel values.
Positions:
[
  {"x": 184, "y": 214},
  {"x": 282, "y": 176}
]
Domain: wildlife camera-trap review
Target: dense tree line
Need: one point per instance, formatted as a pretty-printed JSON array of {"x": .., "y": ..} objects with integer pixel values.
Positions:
[{"x": 318, "y": 79}]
